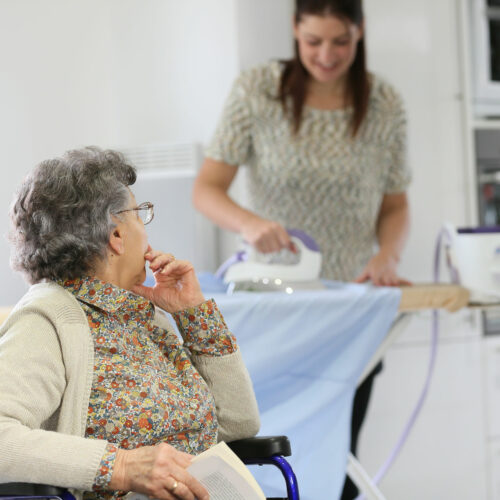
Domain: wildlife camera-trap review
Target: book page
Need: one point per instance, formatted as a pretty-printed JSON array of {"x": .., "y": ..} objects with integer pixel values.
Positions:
[
  {"x": 223, "y": 451},
  {"x": 222, "y": 481}
]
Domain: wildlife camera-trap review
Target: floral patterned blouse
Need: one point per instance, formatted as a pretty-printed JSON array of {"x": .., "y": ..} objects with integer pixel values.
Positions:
[{"x": 145, "y": 389}]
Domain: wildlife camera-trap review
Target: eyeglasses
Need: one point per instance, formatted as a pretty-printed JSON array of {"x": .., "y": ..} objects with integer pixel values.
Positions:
[{"x": 144, "y": 210}]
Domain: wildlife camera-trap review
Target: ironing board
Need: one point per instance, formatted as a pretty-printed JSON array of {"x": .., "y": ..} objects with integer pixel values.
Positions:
[
  {"x": 305, "y": 365},
  {"x": 306, "y": 352},
  {"x": 415, "y": 298}
]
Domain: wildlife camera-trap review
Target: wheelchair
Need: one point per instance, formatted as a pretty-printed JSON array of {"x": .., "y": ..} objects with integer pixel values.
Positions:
[{"x": 258, "y": 450}]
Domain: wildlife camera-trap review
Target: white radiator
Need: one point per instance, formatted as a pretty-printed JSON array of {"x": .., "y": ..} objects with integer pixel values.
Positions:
[
  {"x": 165, "y": 175},
  {"x": 173, "y": 157}
]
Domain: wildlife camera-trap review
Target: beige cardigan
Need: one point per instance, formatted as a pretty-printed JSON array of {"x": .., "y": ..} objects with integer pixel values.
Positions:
[{"x": 46, "y": 368}]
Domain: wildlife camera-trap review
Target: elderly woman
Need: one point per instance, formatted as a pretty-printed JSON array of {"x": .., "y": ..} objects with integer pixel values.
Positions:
[{"x": 97, "y": 393}]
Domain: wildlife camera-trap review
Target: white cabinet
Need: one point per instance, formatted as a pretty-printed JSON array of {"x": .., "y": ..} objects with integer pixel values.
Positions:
[
  {"x": 414, "y": 46},
  {"x": 494, "y": 469},
  {"x": 481, "y": 159},
  {"x": 491, "y": 346},
  {"x": 491, "y": 355}
]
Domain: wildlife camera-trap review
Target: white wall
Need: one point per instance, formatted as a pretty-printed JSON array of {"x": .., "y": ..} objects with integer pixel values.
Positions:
[
  {"x": 415, "y": 46},
  {"x": 132, "y": 72},
  {"x": 106, "y": 72},
  {"x": 264, "y": 32}
]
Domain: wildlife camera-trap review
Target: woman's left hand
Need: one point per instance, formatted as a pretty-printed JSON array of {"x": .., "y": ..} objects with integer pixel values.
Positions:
[
  {"x": 177, "y": 287},
  {"x": 381, "y": 270}
]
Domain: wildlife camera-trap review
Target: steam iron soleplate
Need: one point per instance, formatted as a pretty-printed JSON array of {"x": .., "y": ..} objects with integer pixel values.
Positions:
[{"x": 276, "y": 285}]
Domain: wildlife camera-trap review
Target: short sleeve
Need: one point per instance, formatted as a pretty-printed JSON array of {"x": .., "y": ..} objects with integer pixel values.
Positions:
[
  {"x": 399, "y": 174},
  {"x": 232, "y": 141}
]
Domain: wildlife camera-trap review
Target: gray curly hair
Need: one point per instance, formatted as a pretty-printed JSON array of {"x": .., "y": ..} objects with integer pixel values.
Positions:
[{"x": 61, "y": 214}]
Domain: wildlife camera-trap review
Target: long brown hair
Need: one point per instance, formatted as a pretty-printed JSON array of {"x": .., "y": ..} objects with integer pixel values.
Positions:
[{"x": 294, "y": 77}]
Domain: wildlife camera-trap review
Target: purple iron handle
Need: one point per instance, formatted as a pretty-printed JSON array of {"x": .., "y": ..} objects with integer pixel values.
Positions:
[
  {"x": 240, "y": 256},
  {"x": 305, "y": 238}
]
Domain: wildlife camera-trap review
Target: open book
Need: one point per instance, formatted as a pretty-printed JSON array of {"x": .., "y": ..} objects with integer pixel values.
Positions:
[{"x": 222, "y": 473}]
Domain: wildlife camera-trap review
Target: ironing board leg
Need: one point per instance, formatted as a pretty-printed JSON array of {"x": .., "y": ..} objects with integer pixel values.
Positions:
[
  {"x": 292, "y": 487},
  {"x": 362, "y": 479},
  {"x": 399, "y": 325},
  {"x": 354, "y": 469}
]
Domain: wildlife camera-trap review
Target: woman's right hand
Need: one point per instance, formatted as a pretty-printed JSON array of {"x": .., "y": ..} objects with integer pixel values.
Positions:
[
  {"x": 157, "y": 471},
  {"x": 266, "y": 235}
]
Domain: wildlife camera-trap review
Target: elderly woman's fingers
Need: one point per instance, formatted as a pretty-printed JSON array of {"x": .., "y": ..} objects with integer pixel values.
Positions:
[
  {"x": 176, "y": 286},
  {"x": 177, "y": 267},
  {"x": 181, "y": 484},
  {"x": 151, "y": 252},
  {"x": 183, "y": 459},
  {"x": 157, "y": 260},
  {"x": 157, "y": 471},
  {"x": 165, "y": 263},
  {"x": 187, "y": 487},
  {"x": 180, "y": 491}
]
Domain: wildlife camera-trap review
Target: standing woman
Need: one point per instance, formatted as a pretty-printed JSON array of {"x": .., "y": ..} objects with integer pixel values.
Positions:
[{"x": 324, "y": 141}]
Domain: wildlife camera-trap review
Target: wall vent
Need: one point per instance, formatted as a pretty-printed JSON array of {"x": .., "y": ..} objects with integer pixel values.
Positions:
[{"x": 172, "y": 157}]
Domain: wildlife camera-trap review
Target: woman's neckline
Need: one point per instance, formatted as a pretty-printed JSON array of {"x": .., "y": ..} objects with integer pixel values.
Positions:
[{"x": 325, "y": 110}]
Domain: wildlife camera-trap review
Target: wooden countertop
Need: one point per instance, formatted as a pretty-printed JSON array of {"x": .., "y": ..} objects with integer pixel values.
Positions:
[{"x": 433, "y": 296}]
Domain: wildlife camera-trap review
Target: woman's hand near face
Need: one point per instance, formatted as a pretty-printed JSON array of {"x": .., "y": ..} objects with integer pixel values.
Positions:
[
  {"x": 265, "y": 235},
  {"x": 381, "y": 270},
  {"x": 157, "y": 471},
  {"x": 177, "y": 287}
]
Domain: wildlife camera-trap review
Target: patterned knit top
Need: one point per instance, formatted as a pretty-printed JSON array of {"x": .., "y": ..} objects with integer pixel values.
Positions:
[{"x": 322, "y": 180}]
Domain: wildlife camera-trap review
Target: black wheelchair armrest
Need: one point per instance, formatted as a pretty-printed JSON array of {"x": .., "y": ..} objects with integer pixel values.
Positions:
[
  {"x": 261, "y": 447},
  {"x": 30, "y": 490}
]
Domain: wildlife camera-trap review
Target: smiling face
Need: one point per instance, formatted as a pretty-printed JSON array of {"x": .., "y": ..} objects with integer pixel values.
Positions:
[{"x": 327, "y": 46}]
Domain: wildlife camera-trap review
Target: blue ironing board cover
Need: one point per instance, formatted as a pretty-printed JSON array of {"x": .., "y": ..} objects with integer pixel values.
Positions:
[{"x": 305, "y": 353}]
